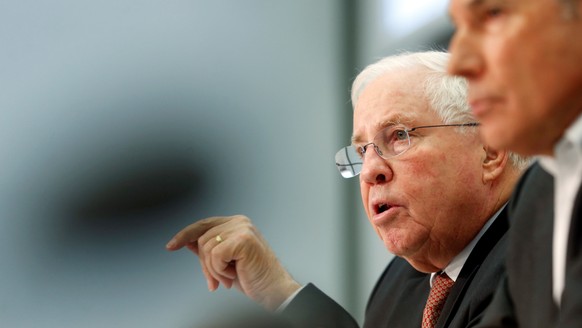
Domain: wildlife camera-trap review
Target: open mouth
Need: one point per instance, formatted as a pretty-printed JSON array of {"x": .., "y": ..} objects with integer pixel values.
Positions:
[{"x": 381, "y": 208}]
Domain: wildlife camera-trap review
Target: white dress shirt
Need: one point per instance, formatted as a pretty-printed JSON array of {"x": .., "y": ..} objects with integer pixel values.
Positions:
[{"x": 566, "y": 168}]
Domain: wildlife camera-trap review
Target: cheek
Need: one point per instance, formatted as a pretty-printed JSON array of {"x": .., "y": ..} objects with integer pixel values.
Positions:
[
  {"x": 438, "y": 175},
  {"x": 526, "y": 90},
  {"x": 434, "y": 163},
  {"x": 421, "y": 180}
]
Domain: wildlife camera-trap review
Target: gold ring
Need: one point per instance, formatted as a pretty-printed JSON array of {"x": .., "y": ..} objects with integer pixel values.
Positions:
[{"x": 218, "y": 239}]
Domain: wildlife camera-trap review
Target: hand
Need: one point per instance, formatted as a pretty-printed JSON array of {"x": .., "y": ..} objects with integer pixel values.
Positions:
[{"x": 239, "y": 257}]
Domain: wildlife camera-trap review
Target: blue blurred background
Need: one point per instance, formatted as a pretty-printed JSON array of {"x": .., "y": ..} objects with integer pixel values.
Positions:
[{"x": 123, "y": 121}]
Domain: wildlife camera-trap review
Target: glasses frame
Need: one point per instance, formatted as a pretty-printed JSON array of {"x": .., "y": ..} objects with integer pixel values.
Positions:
[{"x": 342, "y": 167}]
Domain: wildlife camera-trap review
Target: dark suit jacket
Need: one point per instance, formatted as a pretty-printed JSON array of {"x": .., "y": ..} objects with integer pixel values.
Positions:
[
  {"x": 525, "y": 297},
  {"x": 398, "y": 298}
]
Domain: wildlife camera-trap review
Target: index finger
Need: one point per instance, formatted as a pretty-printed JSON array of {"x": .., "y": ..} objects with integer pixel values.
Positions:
[{"x": 192, "y": 233}]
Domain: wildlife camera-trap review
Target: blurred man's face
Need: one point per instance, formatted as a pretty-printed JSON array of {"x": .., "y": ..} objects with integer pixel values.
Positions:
[
  {"x": 523, "y": 62},
  {"x": 425, "y": 202}
]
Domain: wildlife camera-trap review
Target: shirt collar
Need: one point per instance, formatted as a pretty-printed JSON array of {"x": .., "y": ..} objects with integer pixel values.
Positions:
[
  {"x": 454, "y": 268},
  {"x": 574, "y": 132},
  {"x": 571, "y": 141}
]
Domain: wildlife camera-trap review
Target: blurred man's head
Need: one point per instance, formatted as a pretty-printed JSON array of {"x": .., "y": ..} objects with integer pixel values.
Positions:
[{"x": 522, "y": 60}]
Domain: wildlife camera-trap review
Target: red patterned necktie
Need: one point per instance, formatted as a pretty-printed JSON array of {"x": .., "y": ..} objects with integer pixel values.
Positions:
[{"x": 441, "y": 287}]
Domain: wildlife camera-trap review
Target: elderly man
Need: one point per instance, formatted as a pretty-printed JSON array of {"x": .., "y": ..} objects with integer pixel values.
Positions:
[
  {"x": 522, "y": 61},
  {"x": 434, "y": 193}
]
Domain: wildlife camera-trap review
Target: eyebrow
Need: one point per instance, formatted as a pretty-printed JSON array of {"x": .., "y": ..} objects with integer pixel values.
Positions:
[
  {"x": 397, "y": 119},
  {"x": 472, "y": 6},
  {"x": 476, "y": 4}
]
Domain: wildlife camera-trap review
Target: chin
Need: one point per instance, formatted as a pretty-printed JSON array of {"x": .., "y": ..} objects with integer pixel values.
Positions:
[
  {"x": 521, "y": 143},
  {"x": 495, "y": 135},
  {"x": 395, "y": 247}
]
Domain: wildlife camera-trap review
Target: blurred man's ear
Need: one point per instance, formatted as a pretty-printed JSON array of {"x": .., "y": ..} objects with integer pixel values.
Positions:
[{"x": 494, "y": 163}]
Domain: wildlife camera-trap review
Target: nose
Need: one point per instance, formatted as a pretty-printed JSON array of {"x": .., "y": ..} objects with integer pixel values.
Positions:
[
  {"x": 465, "y": 59},
  {"x": 375, "y": 169}
]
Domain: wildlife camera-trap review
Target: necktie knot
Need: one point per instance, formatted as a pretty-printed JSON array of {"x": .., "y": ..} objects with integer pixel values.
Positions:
[{"x": 441, "y": 288}]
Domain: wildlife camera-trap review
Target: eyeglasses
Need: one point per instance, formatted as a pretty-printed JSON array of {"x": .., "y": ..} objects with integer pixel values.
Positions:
[{"x": 389, "y": 142}]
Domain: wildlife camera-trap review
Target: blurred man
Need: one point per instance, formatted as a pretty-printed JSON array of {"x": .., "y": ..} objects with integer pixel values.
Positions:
[
  {"x": 434, "y": 193},
  {"x": 522, "y": 60}
]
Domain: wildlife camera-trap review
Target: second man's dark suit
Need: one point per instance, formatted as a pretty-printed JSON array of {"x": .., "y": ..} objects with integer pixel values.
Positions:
[
  {"x": 398, "y": 298},
  {"x": 525, "y": 298}
]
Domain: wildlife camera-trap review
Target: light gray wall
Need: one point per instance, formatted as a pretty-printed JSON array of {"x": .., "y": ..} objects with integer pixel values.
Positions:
[{"x": 122, "y": 121}]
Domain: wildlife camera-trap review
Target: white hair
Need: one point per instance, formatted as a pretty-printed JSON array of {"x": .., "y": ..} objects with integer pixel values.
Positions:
[{"x": 446, "y": 94}]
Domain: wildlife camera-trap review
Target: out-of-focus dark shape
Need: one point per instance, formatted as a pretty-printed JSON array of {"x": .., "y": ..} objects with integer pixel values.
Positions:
[{"x": 138, "y": 185}]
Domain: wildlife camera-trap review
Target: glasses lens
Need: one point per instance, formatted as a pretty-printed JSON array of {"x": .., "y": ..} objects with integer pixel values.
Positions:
[
  {"x": 392, "y": 141},
  {"x": 348, "y": 162}
]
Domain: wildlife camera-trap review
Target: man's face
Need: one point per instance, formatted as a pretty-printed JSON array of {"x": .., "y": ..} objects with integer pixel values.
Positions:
[
  {"x": 425, "y": 203},
  {"x": 523, "y": 62}
]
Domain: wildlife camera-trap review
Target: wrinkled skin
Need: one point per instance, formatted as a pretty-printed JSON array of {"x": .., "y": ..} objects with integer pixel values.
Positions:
[{"x": 242, "y": 259}]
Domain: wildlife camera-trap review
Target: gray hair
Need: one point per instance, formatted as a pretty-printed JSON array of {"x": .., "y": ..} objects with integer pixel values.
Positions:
[{"x": 446, "y": 94}]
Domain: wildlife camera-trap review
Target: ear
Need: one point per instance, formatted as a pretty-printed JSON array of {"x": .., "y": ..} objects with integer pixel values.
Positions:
[{"x": 494, "y": 163}]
